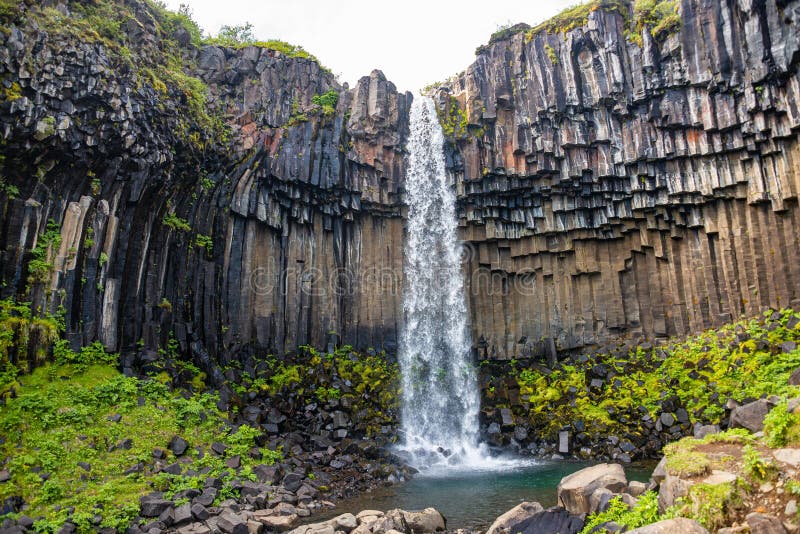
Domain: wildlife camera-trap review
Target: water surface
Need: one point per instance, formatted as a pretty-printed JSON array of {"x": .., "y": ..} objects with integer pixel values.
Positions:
[{"x": 473, "y": 499}]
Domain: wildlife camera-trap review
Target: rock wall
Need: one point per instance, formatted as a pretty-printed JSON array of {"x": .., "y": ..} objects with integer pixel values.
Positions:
[
  {"x": 606, "y": 189},
  {"x": 609, "y": 190},
  {"x": 284, "y": 231}
]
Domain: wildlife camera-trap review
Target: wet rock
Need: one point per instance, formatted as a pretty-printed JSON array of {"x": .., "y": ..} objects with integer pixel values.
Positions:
[{"x": 575, "y": 490}]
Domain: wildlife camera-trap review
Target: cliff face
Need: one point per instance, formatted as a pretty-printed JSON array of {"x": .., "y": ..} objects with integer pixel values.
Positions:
[
  {"x": 218, "y": 203},
  {"x": 608, "y": 189},
  {"x": 245, "y": 202}
]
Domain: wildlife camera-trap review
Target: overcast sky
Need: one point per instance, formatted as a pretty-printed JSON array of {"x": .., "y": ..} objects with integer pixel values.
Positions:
[{"x": 414, "y": 42}]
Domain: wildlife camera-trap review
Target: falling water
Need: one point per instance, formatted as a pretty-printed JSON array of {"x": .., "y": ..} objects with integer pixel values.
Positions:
[{"x": 440, "y": 400}]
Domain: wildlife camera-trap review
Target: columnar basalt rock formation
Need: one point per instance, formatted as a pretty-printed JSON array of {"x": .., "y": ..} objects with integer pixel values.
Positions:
[
  {"x": 611, "y": 189},
  {"x": 606, "y": 188},
  {"x": 285, "y": 231}
]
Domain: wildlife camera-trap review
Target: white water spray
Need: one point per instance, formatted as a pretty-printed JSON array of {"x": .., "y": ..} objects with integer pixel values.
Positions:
[{"x": 440, "y": 399}]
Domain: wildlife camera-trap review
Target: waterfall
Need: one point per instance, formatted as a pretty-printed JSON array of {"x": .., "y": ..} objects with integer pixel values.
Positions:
[{"x": 440, "y": 398}]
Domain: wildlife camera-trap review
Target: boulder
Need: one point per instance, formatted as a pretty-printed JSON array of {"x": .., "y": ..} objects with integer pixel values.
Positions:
[
  {"x": 704, "y": 430},
  {"x": 636, "y": 488},
  {"x": 292, "y": 482},
  {"x": 575, "y": 490},
  {"x": 679, "y": 525},
  {"x": 278, "y": 523},
  {"x": 788, "y": 456},
  {"x": 178, "y": 446},
  {"x": 599, "y": 499},
  {"x": 750, "y": 416},
  {"x": 514, "y": 516},
  {"x": 345, "y": 522},
  {"x": 671, "y": 489},
  {"x": 551, "y": 521},
  {"x": 794, "y": 378},
  {"x": 428, "y": 520},
  {"x": 231, "y": 523},
  {"x": 153, "y": 505},
  {"x": 764, "y": 524}
]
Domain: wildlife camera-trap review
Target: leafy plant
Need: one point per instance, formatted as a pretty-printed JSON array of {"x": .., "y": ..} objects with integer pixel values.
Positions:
[
  {"x": 176, "y": 223},
  {"x": 756, "y": 466},
  {"x": 326, "y": 102},
  {"x": 644, "y": 513}
]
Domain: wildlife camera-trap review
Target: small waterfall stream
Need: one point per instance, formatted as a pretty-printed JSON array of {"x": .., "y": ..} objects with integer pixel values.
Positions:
[{"x": 440, "y": 399}]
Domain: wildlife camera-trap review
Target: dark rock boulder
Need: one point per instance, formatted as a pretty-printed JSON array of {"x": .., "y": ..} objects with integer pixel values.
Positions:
[
  {"x": 750, "y": 416},
  {"x": 551, "y": 521}
]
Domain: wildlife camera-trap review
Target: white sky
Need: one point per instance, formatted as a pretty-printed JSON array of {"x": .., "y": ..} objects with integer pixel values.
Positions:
[{"x": 414, "y": 42}]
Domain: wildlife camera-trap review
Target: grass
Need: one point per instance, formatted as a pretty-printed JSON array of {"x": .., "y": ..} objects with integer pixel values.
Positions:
[{"x": 60, "y": 416}]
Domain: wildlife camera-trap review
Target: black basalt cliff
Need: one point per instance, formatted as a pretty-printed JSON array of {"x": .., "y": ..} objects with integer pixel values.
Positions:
[
  {"x": 612, "y": 188},
  {"x": 610, "y": 184},
  {"x": 214, "y": 201}
]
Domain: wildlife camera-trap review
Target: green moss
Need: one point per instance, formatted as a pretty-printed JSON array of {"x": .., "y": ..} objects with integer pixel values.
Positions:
[
  {"x": 326, "y": 103},
  {"x": 702, "y": 372},
  {"x": 683, "y": 461},
  {"x": 577, "y": 16},
  {"x": 60, "y": 418},
  {"x": 204, "y": 241},
  {"x": 660, "y": 16},
  {"x": 12, "y": 93},
  {"x": 551, "y": 53},
  {"x": 240, "y": 36},
  {"x": 453, "y": 119}
]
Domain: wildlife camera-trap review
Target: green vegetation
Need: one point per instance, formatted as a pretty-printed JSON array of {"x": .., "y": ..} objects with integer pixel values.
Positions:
[
  {"x": 161, "y": 65},
  {"x": 26, "y": 338},
  {"x": 297, "y": 115},
  {"x": 577, "y": 16},
  {"x": 326, "y": 102},
  {"x": 741, "y": 361},
  {"x": 644, "y": 513},
  {"x": 660, "y": 16},
  {"x": 176, "y": 223},
  {"x": 10, "y": 191},
  {"x": 240, "y": 36},
  {"x": 39, "y": 267},
  {"x": 756, "y": 466},
  {"x": 204, "y": 241},
  {"x": 453, "y": 119},
  {"x": 781, "y": 426},
  {"x": 551, "y": 53},
  {"x": 12, "y": 92},
  {"x": 709, "y": 504},
  {"x": 62, "y": 415},
  {"x": 312, "y": 376}
]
